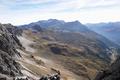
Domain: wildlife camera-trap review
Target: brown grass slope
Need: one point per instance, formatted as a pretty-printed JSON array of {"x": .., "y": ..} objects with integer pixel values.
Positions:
[{"x": 80, "y": 56}]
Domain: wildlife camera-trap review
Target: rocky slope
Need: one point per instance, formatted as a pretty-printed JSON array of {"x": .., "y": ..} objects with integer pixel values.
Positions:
[
  {"x": 16, "y": 61},
  {"x": 111, "y": 73},
  {"x": 8, "y": 53}
]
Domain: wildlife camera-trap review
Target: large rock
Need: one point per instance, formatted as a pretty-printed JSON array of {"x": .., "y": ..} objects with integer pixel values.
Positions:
[{"x": 8, "y": 45}]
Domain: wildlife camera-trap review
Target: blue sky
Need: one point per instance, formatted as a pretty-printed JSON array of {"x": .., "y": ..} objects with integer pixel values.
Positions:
[{"x": 20, "y": 12}]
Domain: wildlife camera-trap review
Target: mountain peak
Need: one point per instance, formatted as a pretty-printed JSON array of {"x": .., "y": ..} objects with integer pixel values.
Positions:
[
  {"x": 55, "y": 20},
  {"x": 76, "y": 21},
  {"x": 52, "y": 20}
]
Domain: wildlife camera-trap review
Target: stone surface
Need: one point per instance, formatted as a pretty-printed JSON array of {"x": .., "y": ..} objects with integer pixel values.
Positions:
[
  {"x": 112, "y": 73},
  {"x": 8, "y": 45}
]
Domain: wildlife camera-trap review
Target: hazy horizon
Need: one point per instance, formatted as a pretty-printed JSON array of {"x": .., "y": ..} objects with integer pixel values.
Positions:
[{"x": 20, "y": 12}]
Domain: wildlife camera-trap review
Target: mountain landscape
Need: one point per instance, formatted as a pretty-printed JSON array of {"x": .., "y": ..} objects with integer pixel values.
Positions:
[
  {"x": 56, "y": 49},
  {"x": 59, "y": 40},
  {"x": 110, "y": 30}
]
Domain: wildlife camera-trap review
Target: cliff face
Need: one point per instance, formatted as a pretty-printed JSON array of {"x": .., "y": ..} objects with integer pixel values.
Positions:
[
  {"x": 112, "y": 73},
  {"x": 8, "y": 45}
]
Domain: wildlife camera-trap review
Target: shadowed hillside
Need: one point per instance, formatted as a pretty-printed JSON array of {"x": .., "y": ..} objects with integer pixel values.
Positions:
[{"x": 111, "y": 73}]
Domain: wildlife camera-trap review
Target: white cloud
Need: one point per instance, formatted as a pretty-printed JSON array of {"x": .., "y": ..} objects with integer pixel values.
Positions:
[{"x": 25, "y": 11}]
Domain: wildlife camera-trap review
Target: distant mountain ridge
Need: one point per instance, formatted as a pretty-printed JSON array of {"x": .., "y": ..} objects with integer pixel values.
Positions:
[
  {"x": 110, "y": 30},
  {"x": 60, "y": 25},
  {"x": 71, "y": 28}
]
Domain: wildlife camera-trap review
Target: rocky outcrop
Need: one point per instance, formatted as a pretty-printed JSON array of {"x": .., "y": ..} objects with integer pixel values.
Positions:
[
  {"x": 51, "y": 77},
  {"x": 8, "y": 65},
  {"x": 8, "y": 53},
  {"x": 112, "y": 73},
  {"x": 13, "y": 29}
]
